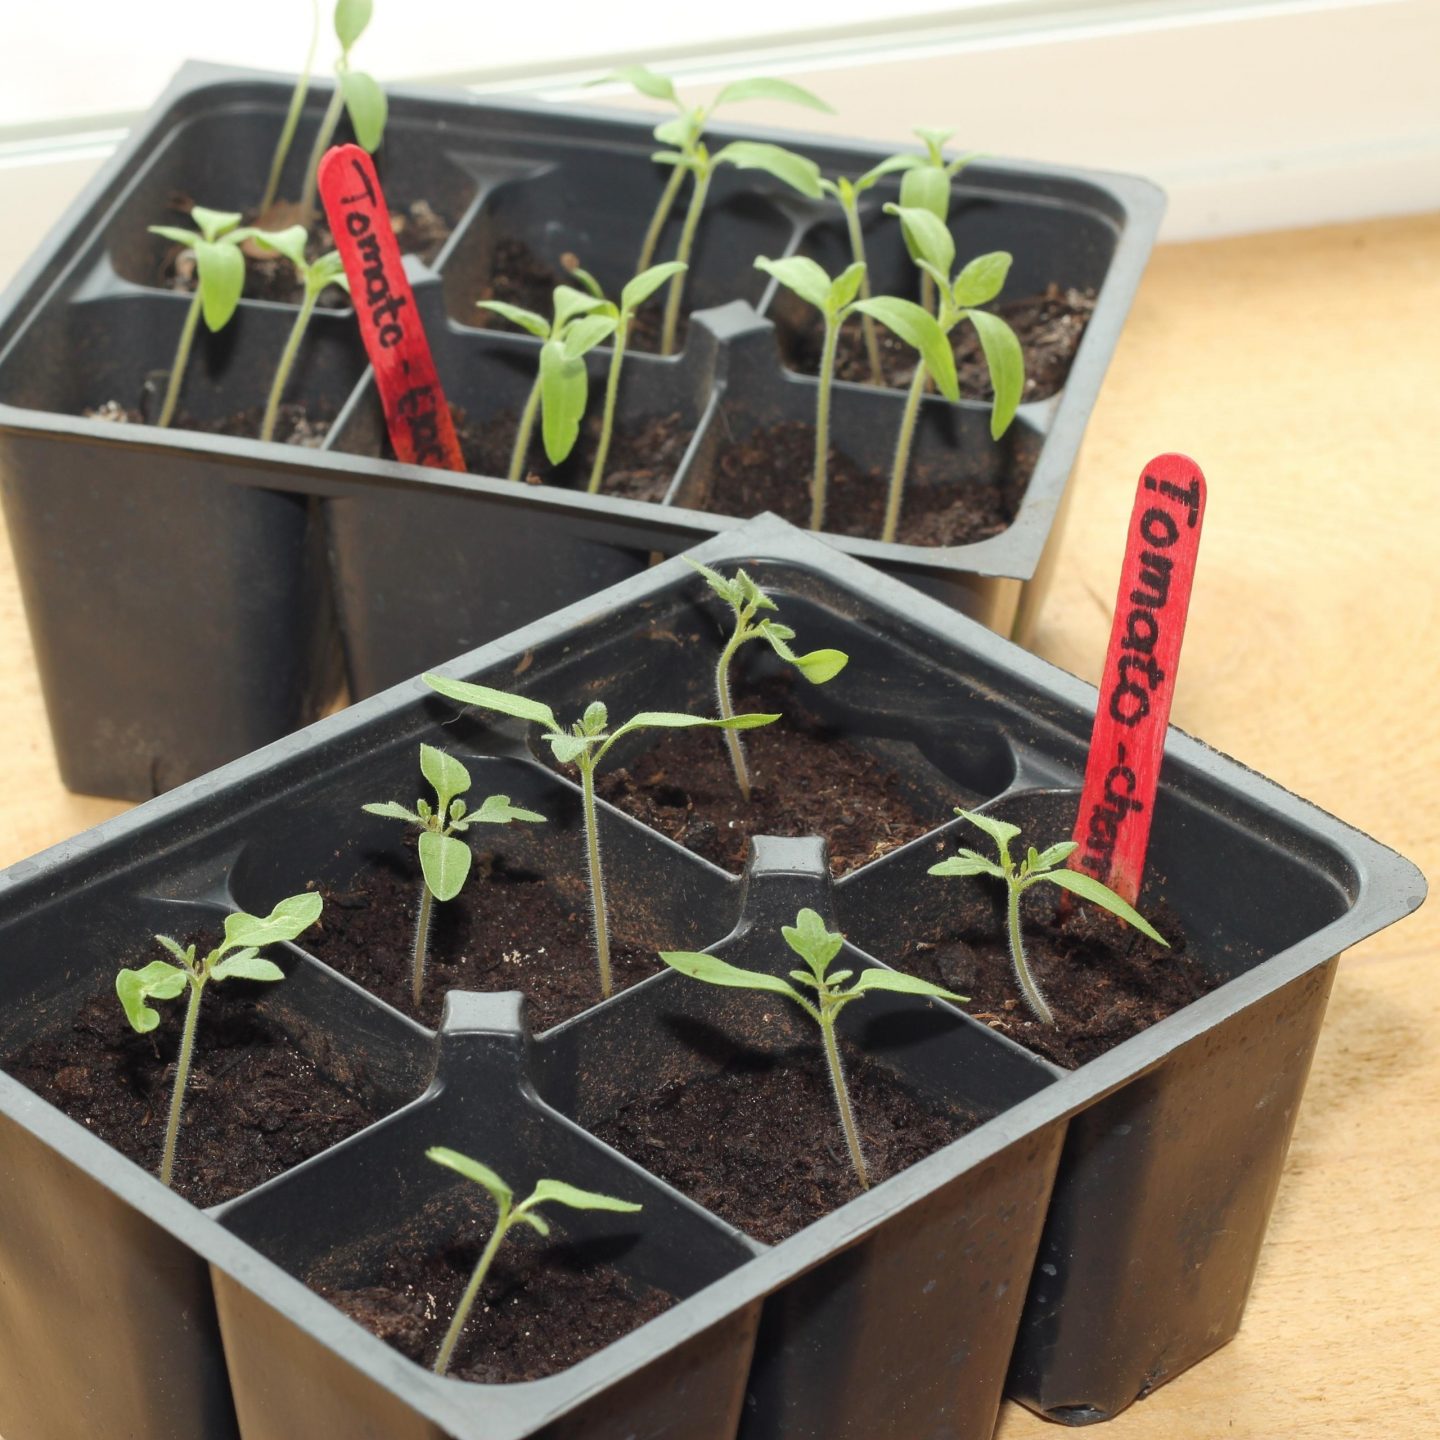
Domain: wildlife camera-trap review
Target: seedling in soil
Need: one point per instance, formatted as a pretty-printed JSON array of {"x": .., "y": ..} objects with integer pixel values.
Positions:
[
  {"x": 356, "y": 92},
  {"x": 632, "y": 297},
  {"x": 219, "y": 279},
  {"x": 822, "y": 996},
  {"x": 315, "y": 275},
  {"x": 926, "y": 186},
  {"x": 1037, "y": 867},
  {"x": 836, "y": 302},
  {"x": 847, "y": 193},
  {"x": 933, "y": 249},
  {"x": 682, "y": 136},
  {"x": 746, "y": 600},
  {"x": 237, "y": 957},
  {"x": 585, "y": 744},
  {"x": 510, "y": 1215},
  {"x": 562, "y": 384},
  {"x": 444, "y": 857}
]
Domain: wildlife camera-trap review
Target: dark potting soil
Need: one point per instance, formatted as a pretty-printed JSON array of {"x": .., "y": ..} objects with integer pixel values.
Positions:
[
  {"x": 1050, "y": 327},
  {"x": 510, "y": 928},
  {"x": 644, "y": 455},
  {"x": 1103, "y": 980},
  {"x": 294, "y": 424},
  {"x": 806, "y": 780},
  {"x": 772, "y": 468},
  {"x": 544, "y": 1306},
  {"x": 520, "y": 277},
  {"x": 758, "y": 1141},
  {"x": 259, "y": 1100},
  {"x": 419, "y": 229}
]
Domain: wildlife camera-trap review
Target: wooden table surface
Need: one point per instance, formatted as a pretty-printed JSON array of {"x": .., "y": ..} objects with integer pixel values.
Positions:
[{"x": 1302, "y": 370}]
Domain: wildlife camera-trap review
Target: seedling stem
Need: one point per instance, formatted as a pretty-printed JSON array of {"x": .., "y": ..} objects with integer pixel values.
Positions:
[{"x": 292, "y": 115}]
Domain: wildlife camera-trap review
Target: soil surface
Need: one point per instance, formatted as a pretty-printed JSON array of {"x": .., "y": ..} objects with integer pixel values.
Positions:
[
  {"x": 258, "y": 1101},
  {"x": 268, "y": 276},
  {"x": 1049, "y": 327},
  {"x": 643, "y": 458},
  {"x": 720, "y": 1138},
  {"x": 772, "y": 469},
  {"x": 510, "y": 928},
  {"x": 293, "y": 425},
  {"x": 806, "y": 780},
  {"x": 1103, "y": 980},
  {"x": 520, "y": 277},
  {"x": 544, "y": 1306}
]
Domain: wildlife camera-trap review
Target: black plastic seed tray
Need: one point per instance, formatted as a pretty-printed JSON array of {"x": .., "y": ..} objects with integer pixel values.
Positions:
[{"x": 209, "y": 561}]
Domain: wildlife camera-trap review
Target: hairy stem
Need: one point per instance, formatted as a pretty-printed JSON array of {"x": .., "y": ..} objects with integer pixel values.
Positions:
[
  {"x": 467, "y": 1300},
  {"x": 523, "y": 434},
  {"x": 323, "y": 136},
  {"x": 612, "y": 391},
  {"x": 867, "y": 325},
  {"x": 287, "y": 363},
  {"x": 422, "y": 943},
  {"x": 292, "y": 115},
  {"x": 818, "y": 483},
  {"x": 687, "y": 244},
  {"x": 597, "y": 879},
  {"x": 842, "y": 1099},
  {"x": 182, "y": 359},
  {"x": 658, "y": 219},
  {"x": 902, "y": 454},
  {"x": 727, "y": 712},
  {"x": 1028, "y": 987},
  {"x": 182, "y": 1076}
]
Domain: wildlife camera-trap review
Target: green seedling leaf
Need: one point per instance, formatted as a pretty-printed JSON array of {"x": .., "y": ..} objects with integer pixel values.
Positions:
[
  {"x": 888, "y": 166},
  {"x": 982, "y": 279},
  {"x": 796, "y": 171},
  {"x": 221, "y": 277},
  {"x": 811, "y": 941},
  {"x": 817, "y": 667},
  {"x": 935, "y": 139},
  {"x": 185, "y": 955},
  {"x": 569, "y": 304},
  {"x": 212, "y": 224},
  {"x": 351, "y": 19},
  {"x": 927, "y": 237},
  {"x": 715, "y": 971},
  {"x": 445, "y": 863},
  {"x": 535, "y": 1222},
  {"x": 497, "y": 810},
  {"x": 894, "y": 980},
  {"x": 585, "y": 334},
  {"x": 845, "y": 287},
  {"x": 1089, "y": 888},
  {"x": 537, "y": 325},
  {"x": 187, "y": 238},
  {"x": 445, "y": 773},
  {"x": 1002, "y": 832},
  {"x": 159, "y": 980},
  {"x": 800, "y": 274},
  {"x": 646, "y": 81},
  {"x": 247, "y": 967},
  {"x": 578, "y": 1199},
  {"x": 664, "y": 720},
  {"x": 482, "y": 1175},
  {"x": 564, "y": 387},
  {"x": 568, "y": 748},
  {"x": 967, "y": 865},
  {"x": 284, "y": 922},
  {"x": 521, "y": 707},
  {"x": 763, "y": 87},
  {"x": 1054, "y": 855},
  {"x": 1006, "y": 363},
  {"x": 289, "y": 242},
  {"x": 367, "y": 106},
  {"x": 644, "y": 285},
  {"x": 927, "y": 188},
  {"x": 918, "y": 328}
]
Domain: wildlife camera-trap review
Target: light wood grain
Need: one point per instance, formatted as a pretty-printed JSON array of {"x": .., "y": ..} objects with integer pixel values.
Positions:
[{"x": 1303, "y": 372}]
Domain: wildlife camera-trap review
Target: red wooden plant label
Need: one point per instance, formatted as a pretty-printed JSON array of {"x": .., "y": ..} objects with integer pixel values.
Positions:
[
  {"x": 1128, "y": 742},
  {"x": 415, "y": 410}
]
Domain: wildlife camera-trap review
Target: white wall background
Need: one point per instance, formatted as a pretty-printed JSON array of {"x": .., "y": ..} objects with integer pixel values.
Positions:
[{"x": 1253, "y": 114}]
